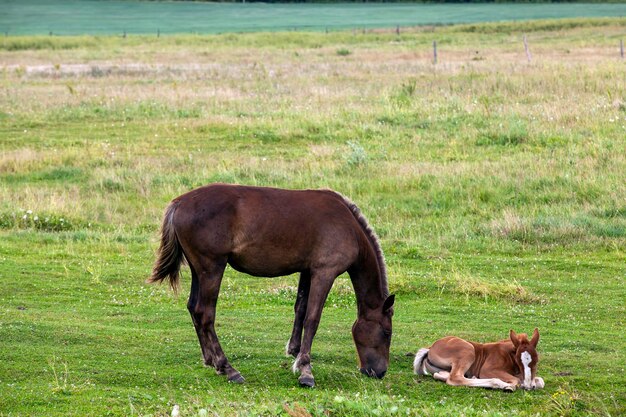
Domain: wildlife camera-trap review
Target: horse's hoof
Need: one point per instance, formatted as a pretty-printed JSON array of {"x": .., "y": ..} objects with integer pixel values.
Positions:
[
  {"x": 236, "y": 379},
  {"x": 306, "y": 381},
  {"x": 509, "y": 388}
]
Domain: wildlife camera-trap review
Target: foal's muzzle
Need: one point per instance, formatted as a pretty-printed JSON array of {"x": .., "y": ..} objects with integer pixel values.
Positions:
[{"x": 372, "y": 373}]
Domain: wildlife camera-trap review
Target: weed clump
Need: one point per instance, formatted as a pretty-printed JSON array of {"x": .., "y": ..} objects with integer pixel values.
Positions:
[
  {"x": 357, "y": 155},
  {"x": 45, "y": 222}
]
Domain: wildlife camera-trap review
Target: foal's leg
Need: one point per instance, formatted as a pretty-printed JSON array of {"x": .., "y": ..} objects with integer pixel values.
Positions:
[
  {"x": 304, "y": 285},
  {"x": 464, "y": 357},
  {"x": 320, "y": 286},
  {"x": 511, "y": 381},
  {"x": 209, "y": 277},
  {"x": 441, "y": 376},
  {"x": 457, "y": 377}
]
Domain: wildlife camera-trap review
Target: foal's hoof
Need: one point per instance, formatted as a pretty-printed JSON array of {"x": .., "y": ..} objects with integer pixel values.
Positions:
[
  {"x": 306, "y": 381},
  {"x": 236, "y": 379},
  {"x": 510, "y": 388}
]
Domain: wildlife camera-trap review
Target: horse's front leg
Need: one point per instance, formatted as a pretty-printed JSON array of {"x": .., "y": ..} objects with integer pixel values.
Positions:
[
  {"x": 320, "y": 286},
  {"x": 304, "y": 285},
  {"x": 204, "y": 296}
]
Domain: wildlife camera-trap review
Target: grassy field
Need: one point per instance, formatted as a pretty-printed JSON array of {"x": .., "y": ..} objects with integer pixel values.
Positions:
[{"x": 496, "y": 186}]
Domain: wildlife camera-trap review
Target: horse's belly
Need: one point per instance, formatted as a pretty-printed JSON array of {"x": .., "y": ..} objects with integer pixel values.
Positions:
[{"x": 265, "y": 265}]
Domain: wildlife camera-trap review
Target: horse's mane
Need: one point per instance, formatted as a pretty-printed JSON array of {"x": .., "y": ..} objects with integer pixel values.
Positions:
[{"x": 372, "y": 237}]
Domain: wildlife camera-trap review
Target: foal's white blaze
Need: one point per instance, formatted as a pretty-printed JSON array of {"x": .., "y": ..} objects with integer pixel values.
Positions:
[{"x": 526, "y": 360}]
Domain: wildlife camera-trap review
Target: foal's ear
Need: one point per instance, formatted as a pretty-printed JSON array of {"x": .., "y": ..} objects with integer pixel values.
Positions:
[
  {"x": 389, "y": 303},
  {"x": 514, "y": 338},
  {"x": 535, "y": 338}
]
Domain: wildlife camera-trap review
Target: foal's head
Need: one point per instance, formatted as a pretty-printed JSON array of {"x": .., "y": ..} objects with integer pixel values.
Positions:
[
  {"x": 372, "y": 337},
  {"x": 526, "y": 356}
]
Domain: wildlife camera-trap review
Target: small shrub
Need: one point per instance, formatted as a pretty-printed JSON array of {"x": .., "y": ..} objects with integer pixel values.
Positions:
[
  {"x": 343, "y": 52},
  {"x": 357, "y": 155}
]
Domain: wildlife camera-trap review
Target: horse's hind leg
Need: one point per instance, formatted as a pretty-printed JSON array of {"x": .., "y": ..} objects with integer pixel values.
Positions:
[
  {"x": 205, "y": 288},
  {"x": 304, "y": 285},
  {"x": 207, "y": 355}
]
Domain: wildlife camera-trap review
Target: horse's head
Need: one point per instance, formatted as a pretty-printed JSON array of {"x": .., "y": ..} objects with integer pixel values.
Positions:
[
  {"x": 526, "y": 356},
  {"x": 372, "y": 337}
]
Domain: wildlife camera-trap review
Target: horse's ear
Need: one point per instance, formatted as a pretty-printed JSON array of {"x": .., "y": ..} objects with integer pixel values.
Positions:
[
  {"x": 535, "y": 338},
  {"x": 389, "y": 303},
  {"x": 514, "y": 338}
]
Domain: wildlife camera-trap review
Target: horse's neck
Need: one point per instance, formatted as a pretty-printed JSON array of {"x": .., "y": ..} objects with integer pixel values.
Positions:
[
  {"x": 483, "y": 351},
  {"x": 369, "y": 286}
]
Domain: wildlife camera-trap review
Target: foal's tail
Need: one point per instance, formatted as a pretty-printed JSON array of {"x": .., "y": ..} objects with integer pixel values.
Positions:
[
  {"x": 419, "y": 367},
  {"x": 170, "y": 256}
]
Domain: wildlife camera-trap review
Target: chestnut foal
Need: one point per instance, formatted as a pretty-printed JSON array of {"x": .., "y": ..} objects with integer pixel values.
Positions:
[{"x": 501, "y": 365}]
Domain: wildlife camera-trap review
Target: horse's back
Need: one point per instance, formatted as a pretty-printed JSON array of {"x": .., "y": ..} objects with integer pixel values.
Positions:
[{"x": 267, "y": 231}]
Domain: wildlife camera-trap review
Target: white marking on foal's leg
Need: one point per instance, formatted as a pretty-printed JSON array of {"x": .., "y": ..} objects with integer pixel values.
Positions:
[
  {"x": 496, "y": 383},
  {"x": 442, "y": 376},
  {"x": 526, "y": 360}
]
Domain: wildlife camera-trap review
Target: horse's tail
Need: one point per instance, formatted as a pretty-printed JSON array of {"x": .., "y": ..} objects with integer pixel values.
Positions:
[
  {"x": 170, "y": 255},
  {"x": 419, "y": 367}
]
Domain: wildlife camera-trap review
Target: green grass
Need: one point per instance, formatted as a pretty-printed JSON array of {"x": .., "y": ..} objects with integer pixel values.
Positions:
[{"x": 496, "y": 186}]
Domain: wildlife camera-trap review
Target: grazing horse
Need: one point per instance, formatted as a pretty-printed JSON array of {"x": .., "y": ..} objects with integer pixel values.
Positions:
[
  {"x": 272, "y": 232},
  {"x": 502, "y": 365}
]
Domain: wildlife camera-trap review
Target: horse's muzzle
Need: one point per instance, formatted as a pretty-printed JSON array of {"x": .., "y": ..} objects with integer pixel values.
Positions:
[{"x": 372, "y": 373}]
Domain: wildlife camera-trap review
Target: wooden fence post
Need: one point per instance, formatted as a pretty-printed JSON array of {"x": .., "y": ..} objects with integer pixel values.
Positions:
[
  {"x": 398, "y": 30},
  {"x": 528, "y": 56},
  {"x": 434, "y": 52},
  {"x": 621, "y": 48}
]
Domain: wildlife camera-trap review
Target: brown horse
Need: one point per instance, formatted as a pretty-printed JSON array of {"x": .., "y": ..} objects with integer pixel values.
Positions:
[
  {"x": 272, "y": 232},
  {"x": 502, "y": 365}
]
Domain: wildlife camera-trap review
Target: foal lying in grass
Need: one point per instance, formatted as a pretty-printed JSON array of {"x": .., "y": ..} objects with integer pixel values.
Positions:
[{"x": 502, "y": 365}]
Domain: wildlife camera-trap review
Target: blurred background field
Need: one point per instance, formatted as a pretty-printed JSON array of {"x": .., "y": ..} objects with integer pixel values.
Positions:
[
  {"x": 94, "y": 17},
  {"x": 496, "y": 185}
]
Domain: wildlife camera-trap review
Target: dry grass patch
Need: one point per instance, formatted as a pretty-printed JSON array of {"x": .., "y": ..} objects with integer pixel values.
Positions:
[{"x": 470, "y": 286}]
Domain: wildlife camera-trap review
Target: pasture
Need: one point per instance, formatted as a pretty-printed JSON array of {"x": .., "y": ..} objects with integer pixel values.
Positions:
[{"x": 496, "y": 186}]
